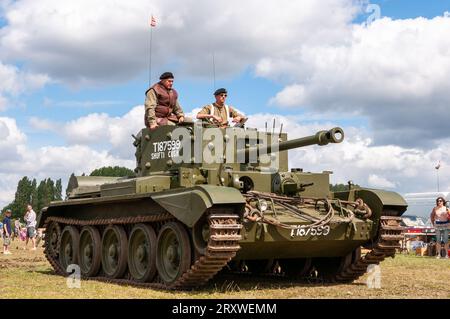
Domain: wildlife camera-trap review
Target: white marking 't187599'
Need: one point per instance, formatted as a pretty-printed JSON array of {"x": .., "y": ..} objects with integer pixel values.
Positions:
[{"x": 311, "y": 231}]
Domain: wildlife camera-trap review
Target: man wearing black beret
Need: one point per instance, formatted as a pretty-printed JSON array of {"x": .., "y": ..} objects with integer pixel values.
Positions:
[
  {"x": 161, "y": 104},
  {"x": 219, "y": 112}
]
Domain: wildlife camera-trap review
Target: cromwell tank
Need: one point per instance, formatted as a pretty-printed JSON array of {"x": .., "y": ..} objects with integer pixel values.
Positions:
[{"x": 207, "y": 200}]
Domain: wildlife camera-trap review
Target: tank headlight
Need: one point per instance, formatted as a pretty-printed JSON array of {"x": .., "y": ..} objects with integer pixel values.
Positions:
[{"x": 262, "y": 205}]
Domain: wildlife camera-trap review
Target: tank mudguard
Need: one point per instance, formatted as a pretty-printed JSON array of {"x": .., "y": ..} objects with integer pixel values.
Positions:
[
  {"x": 189, "y": 204},
  {"x": 378, "y": 200}
]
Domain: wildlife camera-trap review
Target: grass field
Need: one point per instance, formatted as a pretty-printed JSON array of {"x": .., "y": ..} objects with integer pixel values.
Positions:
[{"x": 27, "y": 274}]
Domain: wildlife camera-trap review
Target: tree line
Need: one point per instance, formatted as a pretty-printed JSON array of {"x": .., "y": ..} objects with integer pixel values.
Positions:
[
  {"x": 342, "y": 187},
  {"x": 38, "y": 195}
]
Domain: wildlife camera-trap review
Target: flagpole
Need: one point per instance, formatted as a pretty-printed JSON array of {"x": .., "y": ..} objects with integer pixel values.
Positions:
[
  {"x": 150, "y": 58},
  {"x": 437, "y": 171},
  {"x": 214, "y": 71}
]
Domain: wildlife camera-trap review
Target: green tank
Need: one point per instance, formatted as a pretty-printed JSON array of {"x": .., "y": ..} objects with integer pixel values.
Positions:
[{"x": 209, "y": 200}]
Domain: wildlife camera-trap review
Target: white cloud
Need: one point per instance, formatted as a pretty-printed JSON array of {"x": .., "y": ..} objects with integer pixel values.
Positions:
[
  {"x": 43, "y": 124},
  {"x": 18, "y": 159},
  {"x": 95, "y": 42},
  {"x": 103, "y": 130},
  {"x": 15, "y": 82},
  {"x": 395, "y": 72},
  {"x": 358, "y": 159},
  {"x": 11, "y": 139},
  {"x": 379, "y": 181},
  {"x": 290, "y": 96},
  {"x": 92, "y": 128}
]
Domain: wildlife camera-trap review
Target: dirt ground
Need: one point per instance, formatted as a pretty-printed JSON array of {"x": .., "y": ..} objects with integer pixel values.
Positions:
[{"x": 27, "y": 274}]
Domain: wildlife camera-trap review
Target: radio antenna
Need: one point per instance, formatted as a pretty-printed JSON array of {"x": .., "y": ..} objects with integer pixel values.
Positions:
[{"x": 214, "y": 71}]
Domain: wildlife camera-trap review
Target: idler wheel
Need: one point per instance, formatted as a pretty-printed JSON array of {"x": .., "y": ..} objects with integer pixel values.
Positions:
[
  {"x": 173, "y": 252},
  {"x": 114, "y": 251},
  {"x": 142, "y": 253},
  {"x": 90, "y": 251}
]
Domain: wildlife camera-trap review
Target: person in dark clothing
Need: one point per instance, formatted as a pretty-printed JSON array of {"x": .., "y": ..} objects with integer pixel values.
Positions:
[{"x": 7, "y": 232}]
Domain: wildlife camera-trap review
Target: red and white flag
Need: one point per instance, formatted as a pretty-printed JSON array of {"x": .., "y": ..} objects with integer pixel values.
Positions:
[
  {"x": 153, "y": 22},
  {"x": 438, "y": 165}
]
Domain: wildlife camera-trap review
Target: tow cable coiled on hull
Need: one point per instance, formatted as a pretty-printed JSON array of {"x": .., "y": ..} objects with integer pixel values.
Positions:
[
  {"x": 256, "y": 215},
  {"x": 361, "y": 209}
]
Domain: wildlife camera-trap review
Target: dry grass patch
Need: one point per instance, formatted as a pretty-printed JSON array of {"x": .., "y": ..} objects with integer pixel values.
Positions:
[{"x": 27, "y": 274}]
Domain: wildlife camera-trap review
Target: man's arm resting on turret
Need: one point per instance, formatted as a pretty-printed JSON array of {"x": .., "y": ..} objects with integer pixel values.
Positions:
[
  {"x": 237, "y": 117},
  {"x": 178, "y": 110}
]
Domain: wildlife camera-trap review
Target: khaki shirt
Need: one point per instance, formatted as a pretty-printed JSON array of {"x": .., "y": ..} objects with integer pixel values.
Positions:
[
  {"x": 220, "y": 111},
  {"x": 150, "y": 105}
]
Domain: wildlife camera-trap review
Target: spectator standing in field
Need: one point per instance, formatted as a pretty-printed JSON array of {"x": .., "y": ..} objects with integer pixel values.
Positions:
[
  {"x": 30, "y": 219},
  {"x": 440, "y": 217},
  {"x": 7, "y": 232}
]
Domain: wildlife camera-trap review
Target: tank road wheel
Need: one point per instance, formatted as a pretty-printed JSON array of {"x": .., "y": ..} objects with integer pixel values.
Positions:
[
  {"x": 90, "y": 251},
  {"x": 142, "y": 253},
  {"x": 52, "y": 235},
  {"x": 173, "y": 252},
  {"x": 68, "y": 250},
  {"x": 295, "y": 268},
  {"x": 114, "y": 251}
]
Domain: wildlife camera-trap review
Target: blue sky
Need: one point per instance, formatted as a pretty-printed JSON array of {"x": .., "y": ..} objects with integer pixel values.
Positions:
[
  {"x": 402, "y": 9},
  {"x": 72, "y": 71}
]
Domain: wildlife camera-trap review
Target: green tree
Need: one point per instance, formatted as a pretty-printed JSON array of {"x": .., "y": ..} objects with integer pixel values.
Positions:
[
  {"x": 22, "y": 198},
  {"x": 38, "y": 197},
  {"x": 46, "y": 193},
  {"x": 116, "y": 171},
  {"x": 34, "y": 194}
]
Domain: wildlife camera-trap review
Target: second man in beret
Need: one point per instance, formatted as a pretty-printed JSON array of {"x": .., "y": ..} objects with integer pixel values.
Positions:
[
  {"x": 219, "y": 112},
  {"x": 161, "y": 104}
]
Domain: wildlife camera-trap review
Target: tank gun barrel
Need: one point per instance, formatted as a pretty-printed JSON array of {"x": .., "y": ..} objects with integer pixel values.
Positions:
[{"x": 335, "y": 135}]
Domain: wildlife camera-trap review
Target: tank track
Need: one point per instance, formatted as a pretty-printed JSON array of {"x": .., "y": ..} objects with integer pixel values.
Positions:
[
  {"x": 223, "y": 243},
  {"x": 390, "y": 234}
]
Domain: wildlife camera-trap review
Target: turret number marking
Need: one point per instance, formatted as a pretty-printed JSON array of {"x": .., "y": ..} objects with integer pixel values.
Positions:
[
  {"x": 160, "y": 148},
  {"x": 312, "y": 231}
]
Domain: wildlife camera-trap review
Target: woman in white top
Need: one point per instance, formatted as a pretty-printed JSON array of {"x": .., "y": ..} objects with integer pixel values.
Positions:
[{"x": 440, "y": 219}]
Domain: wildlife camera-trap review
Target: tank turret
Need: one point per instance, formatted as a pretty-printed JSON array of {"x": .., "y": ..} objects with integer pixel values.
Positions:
[{"x": 170, "y": 148}]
